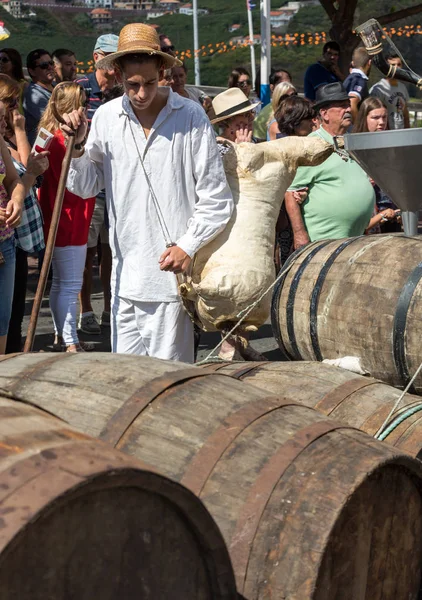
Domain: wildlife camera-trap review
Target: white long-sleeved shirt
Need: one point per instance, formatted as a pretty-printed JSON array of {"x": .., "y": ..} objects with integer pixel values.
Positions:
[{"x": 185, "y": 170}]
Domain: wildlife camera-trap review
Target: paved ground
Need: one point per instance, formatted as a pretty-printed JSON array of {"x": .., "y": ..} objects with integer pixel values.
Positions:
[{"x": 263, "y": 340}]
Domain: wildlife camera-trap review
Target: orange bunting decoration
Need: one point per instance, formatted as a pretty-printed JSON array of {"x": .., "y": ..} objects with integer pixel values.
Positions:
[{"x": 295, "y": 39}]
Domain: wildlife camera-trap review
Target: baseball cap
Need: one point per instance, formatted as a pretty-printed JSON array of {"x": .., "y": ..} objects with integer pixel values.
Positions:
[{"x": 106, "y": 43}]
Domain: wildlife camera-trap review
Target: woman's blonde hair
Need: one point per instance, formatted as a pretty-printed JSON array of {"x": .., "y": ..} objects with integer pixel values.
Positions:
[
  {"x": 280, "y": 93},
  {"x": 10, "y": 90},
  {"x": 66, "y": 96}
]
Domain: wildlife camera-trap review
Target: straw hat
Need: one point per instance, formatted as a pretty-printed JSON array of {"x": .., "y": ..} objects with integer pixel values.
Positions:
[
  {"x": 137, "y": 38},
  {"x": 230, "y": 103}
]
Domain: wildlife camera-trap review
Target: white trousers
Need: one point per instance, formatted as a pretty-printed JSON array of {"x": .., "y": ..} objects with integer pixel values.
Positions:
[
  {"x": 68, "y": 269},
  {"x": 158, "y": 329}
]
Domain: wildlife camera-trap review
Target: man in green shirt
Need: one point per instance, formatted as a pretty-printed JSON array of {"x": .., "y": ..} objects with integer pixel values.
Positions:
[{"x": 340, "y": 198}]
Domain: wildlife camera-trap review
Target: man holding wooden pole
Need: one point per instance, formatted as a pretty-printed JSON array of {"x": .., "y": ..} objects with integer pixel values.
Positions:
[{"x": 167, "y": 195}]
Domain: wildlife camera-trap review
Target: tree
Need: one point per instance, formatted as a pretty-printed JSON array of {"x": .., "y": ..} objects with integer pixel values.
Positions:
[{"x": 341, "y": 14}]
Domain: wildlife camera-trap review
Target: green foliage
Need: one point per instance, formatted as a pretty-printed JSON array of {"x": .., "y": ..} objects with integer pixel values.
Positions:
[
  {"x": 54, "y": 29},
  {"x": 83, "y": 21}
]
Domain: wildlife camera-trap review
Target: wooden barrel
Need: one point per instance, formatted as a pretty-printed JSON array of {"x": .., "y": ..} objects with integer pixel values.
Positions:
[
  {"x": 361, "y": 402},
  {"x": 79, "y": 520},
  {"x": 355, "y": 297},
  {"x": 309, "y": 508}
]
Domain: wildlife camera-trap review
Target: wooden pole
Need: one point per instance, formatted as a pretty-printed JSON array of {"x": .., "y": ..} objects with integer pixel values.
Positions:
[{"x": 51, "y": 240}]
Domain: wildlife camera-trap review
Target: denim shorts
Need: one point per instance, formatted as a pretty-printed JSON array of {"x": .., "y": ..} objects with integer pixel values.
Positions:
[{"x": 7, "y": 282}]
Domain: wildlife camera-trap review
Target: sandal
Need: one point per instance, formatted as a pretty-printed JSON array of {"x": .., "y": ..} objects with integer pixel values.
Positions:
[
  {"x": 59, "y": 345},
  {"x": 74, "y": 348},
  {"x": 87, "y": 346}
]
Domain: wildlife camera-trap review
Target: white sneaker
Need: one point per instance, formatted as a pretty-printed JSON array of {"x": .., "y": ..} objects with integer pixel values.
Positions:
[{"x": 88, "y": 324}]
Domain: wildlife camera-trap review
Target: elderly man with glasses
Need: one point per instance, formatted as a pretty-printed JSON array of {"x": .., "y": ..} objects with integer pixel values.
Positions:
[{"x": 41, "y": 69}]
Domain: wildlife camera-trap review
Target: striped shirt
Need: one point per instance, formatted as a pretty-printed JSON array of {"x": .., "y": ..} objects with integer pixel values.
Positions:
[{"x": 93, "y": 93}]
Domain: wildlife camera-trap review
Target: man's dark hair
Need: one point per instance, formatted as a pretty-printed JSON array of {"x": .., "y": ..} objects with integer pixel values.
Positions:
[
  {"x": 331, "y": 46},
  {"x": 141, "y": 59},
  {"x": 33, "y": 56},
  {"x": 184, "y": 67},
  {"x": 291, "y": 112},
  {"x": 111, "y": 94},
  {"x": 60, "y": 52},
  {"x": 393, "y": 54},
  {"x": 275, "y": 77}
]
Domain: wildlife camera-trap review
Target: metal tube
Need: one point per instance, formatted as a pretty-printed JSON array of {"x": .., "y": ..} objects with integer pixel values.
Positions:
[
  {"x": 196, "y": 43},
  {"x": 410, "y": 222},
  {"x": 265, "y": 51},
  {"x": 250, "y": 23}
]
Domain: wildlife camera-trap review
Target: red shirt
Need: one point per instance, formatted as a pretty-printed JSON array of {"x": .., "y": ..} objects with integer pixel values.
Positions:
[{"x": 76, "y": 213}]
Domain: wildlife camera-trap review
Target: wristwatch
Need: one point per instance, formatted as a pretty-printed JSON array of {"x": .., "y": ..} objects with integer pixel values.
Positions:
[{"x": 81, "y": 145}]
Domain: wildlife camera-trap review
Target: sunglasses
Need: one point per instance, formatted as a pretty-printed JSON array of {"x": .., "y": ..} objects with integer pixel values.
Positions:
[
  {"x": 4, "y": 59},
  {"x": 45, "y": 65},
  {"x": 168, "y": 49},
  {"x": 245, "y": 83}
]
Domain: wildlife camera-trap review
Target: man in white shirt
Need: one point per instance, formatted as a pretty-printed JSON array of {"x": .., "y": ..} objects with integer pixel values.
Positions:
[
  {"x": 395, "y": 95},
  {"x": 155, "y": 154}
]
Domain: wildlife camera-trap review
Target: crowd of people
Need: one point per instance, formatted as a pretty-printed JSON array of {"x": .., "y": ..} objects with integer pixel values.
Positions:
[{"x": 146, "y": 187}]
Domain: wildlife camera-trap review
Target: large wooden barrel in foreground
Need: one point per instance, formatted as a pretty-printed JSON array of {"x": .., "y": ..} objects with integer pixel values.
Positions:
[
  {"x": 309, "y": 508},
  {"x": 355, "y": 297},
  {"x": 79, "y": 520},
  {"x": 361, "y": 402}
]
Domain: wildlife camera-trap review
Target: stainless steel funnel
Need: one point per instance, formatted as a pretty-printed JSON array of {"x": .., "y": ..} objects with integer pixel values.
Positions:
[{"x": 393, "y": 160}]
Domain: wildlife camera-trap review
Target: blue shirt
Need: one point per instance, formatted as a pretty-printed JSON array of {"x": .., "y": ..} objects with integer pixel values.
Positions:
[
  {"x": 317, "y": 75},
  {"x": 93, "y": 93},
  {"x": 35, "y": 100},
  {"x": 356, "y": 84}
]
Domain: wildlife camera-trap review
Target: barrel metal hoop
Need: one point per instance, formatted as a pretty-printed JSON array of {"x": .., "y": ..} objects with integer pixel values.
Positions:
[
  {"x": 290, "y": 306},
  {"x": 123, "y": 418},
  {"x": 37, "y": 369},
  {"x": 335, "y": 397},
  {"x": 213, "y": 448},
  {"x": 248, "y": 370},
  {"x": 4, "y": 357},
  {"x": 313, "y": 316},
  {"x": 275, "y": 320},
  {"x": 260, "y": 493},
  {"x": 213, "y": 367},
  {"x": 399, "y": 329}
]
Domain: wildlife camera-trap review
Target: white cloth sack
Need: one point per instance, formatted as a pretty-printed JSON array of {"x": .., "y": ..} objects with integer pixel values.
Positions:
[
  {"x": 349, "y": 363},
  {"x": 233, "y": 270}
]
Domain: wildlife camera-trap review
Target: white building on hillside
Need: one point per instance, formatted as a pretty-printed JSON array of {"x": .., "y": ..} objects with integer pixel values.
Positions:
[
  {"x": 172, "y": 5},
  {"x": 155, "y": 13},
  {"x": 186, "y": 9},
  {"x": 14, "y": 7},
  {"x": 107, "y": 4}
]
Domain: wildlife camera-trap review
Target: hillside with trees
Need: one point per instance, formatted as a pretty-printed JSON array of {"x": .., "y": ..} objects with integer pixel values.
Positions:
[{"x": 55, "y": 28}]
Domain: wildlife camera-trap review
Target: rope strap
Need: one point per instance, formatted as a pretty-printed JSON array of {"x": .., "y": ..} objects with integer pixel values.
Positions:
[{"x": 398, "y": 420}]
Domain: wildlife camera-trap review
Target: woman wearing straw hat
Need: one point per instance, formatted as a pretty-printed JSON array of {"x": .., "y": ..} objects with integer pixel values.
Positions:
[
  {"x": 234, "y": 114},
  {"x": 155, "y": 154}
]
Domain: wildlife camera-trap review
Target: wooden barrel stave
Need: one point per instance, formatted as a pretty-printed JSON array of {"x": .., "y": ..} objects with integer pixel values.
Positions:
[
  {"x": 345, "y": 301},
  {"x": 325, "y": 388},
  {"x": 228, "y": 442},
  {"x": 64, "y": 535}
]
